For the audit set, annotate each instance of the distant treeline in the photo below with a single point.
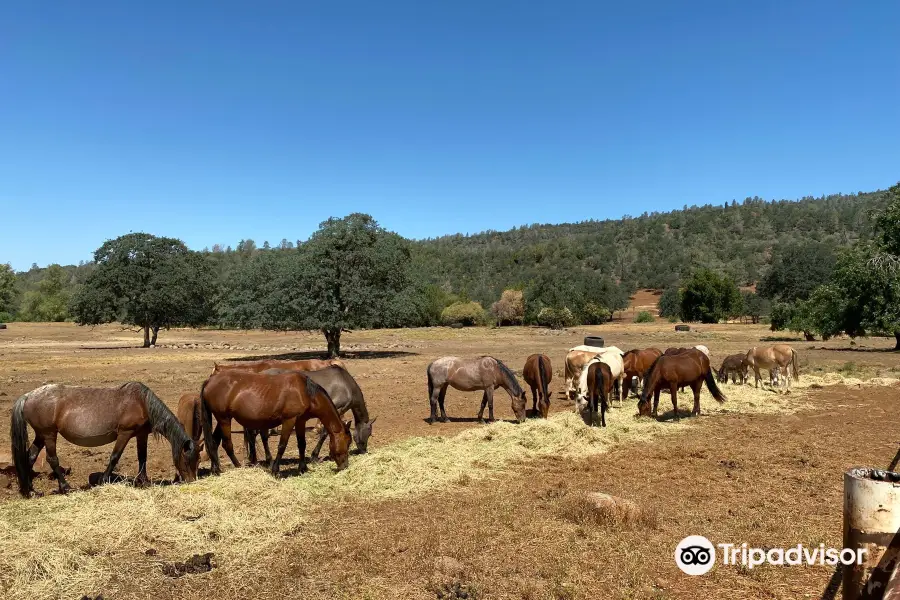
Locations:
(588, 269)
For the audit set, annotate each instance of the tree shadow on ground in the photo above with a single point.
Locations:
(350, 354)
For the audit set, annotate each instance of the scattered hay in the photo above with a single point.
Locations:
(65, 546)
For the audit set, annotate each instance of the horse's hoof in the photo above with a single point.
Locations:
(445, 419)
(65, 489)
(142, 482)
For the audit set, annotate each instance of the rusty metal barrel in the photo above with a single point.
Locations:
(872, 523)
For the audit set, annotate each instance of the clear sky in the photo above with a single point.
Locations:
(218, 120)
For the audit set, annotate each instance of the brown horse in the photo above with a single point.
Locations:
(636, 364)
(538, 373)
(91, 417)
(689, 368)
(470, 374)
(258, 366)
(259, 402)
(600, 386)
(734, 365)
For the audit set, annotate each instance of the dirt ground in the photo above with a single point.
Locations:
(766, 480)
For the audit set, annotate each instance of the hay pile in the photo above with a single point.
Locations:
(66, 546)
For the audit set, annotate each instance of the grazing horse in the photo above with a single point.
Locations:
(261, 401)
(779, 355)
(258, 366)
(675, 351)
(470, 374)
(636, 364)
(600, 384)
(346, 395)
(576, 361)
(686, 368)
(613, 358)
(735, 366)
(92, 417)
(538, 373)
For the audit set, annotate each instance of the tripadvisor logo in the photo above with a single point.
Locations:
(696, 555)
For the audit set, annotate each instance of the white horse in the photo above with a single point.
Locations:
(611, 356)
(576, 361)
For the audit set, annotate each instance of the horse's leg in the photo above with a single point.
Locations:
(441, 396)
(225, 424)
(656, 402)
(696, 389)
(121, 442)
(673, 388)
(35, 449)
(489, 392)
(322, 435)
(50, 441)
(264, 437)
(250, 442)
(287, 427)
(300, 434)
(484, 402)
(142, 479)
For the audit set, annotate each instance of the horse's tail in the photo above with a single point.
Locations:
(18, 434)
(794, 367)
(601, 378)
(206, 422)
(430, 382)
(714, 387)
(541, 379)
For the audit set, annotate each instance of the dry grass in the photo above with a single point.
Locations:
(66, 546)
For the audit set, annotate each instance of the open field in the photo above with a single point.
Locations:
(499, 508)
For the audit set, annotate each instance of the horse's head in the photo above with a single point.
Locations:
(361, 436)
(186, 458)
(339, 447)
(644, 406)
(519, 402)
(544, 407)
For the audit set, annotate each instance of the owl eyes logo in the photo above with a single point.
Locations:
(695, 555)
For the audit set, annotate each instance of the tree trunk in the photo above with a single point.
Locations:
(809, 336)
(155, 333)
(333, 337)
(146, 336)
(897, 337)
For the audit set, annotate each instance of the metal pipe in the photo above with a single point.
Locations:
(872, 522)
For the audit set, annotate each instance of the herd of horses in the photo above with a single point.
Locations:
(264, 395)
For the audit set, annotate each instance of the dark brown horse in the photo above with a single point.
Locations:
(672, 371)
(470, 374)
(600, 386)
(346, 395)
(259, 402)
(637, 362)
(538, 373)
(258, 366)
(93, 417)
(736, 366)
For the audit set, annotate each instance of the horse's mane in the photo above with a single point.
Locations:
(645, 395)
(162, 421)
(510, 377)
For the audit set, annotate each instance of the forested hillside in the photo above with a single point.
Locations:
(589, 268)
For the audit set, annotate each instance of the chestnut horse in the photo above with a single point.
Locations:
(690, 368)
(470, 374)
(637, 362)
(92, 417)
(600, 385)
(538, 373)
(258, 366)
(260, 401)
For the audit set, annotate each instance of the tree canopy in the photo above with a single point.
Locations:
(709, 297)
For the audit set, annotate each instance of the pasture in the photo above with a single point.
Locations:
(458, 509)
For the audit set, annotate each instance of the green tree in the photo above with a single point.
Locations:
(797, 269)
(708, 297)
(463, 313)
(50, 301)
(670, 302)
(345, 276)
(754, 306)
(147, 281)
(9, 292)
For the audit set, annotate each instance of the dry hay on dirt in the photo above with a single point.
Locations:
(66, 546)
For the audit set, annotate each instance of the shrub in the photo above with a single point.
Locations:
(595, 314)
(643, 317)
(670, 302)
(555, 318)
(463, 313)
(510, 309)
(5, 317)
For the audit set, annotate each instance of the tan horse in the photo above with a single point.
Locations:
(261, 401)
(91, 417)
(471, 374)
(636, 364)
(576, 360)
(538, 373)
(781, 356)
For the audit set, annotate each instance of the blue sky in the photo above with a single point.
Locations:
(214, 121)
